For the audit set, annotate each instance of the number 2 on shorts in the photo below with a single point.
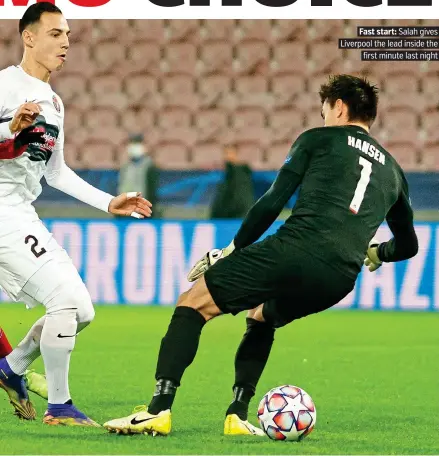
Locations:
(361, 186)
(33, 247)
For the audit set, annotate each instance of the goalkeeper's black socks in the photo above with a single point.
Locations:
(241, 400)
(164, 396)
(177, 351)
(250, 361)
(253, 353)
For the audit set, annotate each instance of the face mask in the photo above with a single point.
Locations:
(136, 150)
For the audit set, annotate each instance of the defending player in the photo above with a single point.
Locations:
(349, 186)
(9, 149)
(33, 267)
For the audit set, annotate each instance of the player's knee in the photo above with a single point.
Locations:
(200, 299)
(59, 330)
(86, 312)
(257, 314)
(73, 296)
(207, 308)
(182, 299)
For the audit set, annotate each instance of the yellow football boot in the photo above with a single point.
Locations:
(235, 426)
(141, 422)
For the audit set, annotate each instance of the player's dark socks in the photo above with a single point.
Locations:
(241, 401)
(253, 353)
(177, 350)
(250, 361)
(164, 395)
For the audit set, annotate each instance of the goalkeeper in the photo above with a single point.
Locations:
(349, 185)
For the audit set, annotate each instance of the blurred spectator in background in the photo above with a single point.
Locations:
(235, 195)
(139, 172)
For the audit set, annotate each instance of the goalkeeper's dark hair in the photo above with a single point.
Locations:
(358, 93)
(33, 14)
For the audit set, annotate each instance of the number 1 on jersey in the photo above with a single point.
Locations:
(361, 186)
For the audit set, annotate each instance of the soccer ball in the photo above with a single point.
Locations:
(287, 413)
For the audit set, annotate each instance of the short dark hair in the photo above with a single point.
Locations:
(33, 14)
(358, 93)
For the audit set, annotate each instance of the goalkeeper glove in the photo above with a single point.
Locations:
(208, 260)
(372, 260)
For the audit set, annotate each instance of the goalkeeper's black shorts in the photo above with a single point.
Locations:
(289, 281)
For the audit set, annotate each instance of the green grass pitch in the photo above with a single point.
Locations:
(373, 377)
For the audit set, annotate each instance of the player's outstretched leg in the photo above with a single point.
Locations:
(57, 343)
(11, 371)
(65, 306)
(69, 309)
(250, 361)
(177, 351)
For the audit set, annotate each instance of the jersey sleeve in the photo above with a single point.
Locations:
(298, 157)
(266, 210)
(404, 243)
(61, 177)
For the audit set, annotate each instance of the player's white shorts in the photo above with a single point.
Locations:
(26, 246)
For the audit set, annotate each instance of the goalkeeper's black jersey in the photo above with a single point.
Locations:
(349, 185)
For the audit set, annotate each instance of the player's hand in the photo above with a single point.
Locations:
(372, 260)
(13, 148)
(130, 204)
(24, 117)
(208, 260)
